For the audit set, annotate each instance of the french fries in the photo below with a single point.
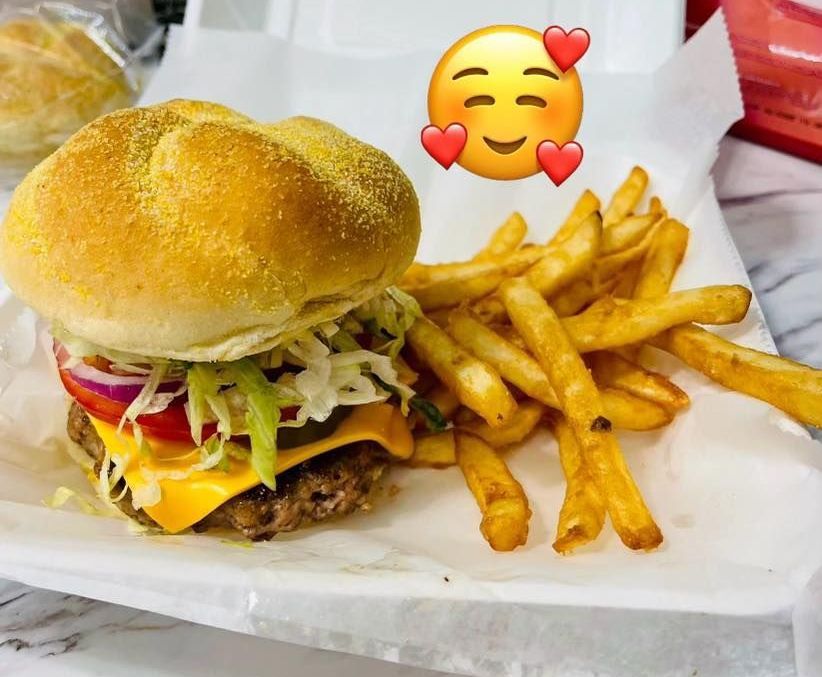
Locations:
(626, 197)
(504, 506)
(488, 327)
(582, 406)
(505, 239)
(582, 515)
(626, 233)
(610, 369)
(587, 204)
(519, 368)
(522, 424)
(474, 383)
(790, 386)
(436, 450)
(609, 325)
(561, 265)
(665, 253)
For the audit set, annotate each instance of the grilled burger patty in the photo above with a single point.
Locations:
(335, 483)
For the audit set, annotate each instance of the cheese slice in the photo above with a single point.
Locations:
(185, 502)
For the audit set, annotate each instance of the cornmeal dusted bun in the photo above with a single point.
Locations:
(53, 79)
(189, 231)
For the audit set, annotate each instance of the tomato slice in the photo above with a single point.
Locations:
(169, 424)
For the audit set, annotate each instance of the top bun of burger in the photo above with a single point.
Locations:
(53, 79)
(186, 230)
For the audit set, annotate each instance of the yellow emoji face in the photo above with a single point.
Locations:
(501, 85)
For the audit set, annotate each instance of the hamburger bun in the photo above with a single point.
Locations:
(53, 79)
(186, 230)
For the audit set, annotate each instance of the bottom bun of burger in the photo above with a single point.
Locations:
(338, 482)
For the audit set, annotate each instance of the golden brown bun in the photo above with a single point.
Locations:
(187, 230)
(53, 79)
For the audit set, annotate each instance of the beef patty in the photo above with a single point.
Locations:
(335, 483)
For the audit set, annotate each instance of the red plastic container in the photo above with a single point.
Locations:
(778, 50)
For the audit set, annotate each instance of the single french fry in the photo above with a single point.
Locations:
(626, 197)
(790, 386)
(474, 383)
(665, 254)
(449, 293)
(626, 411)
(655, 206)
(563, 264)
(582, 406)
(435, 450)
(443, 399)
(626, 233)
(516, 366)
(573, 298)
(505, 239)
(610, 369)
(608, 324)
(522, 423)
(582, 515)
(423, 275)
(504, 506)
(586, 204)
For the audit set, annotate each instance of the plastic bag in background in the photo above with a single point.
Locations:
(778, 49)
(62, 64)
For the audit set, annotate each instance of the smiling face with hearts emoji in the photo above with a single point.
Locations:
(497, 94)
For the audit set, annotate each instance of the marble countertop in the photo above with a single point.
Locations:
(773, 206)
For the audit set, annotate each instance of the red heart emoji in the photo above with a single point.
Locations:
(444, 145)
(566, 48)
(559, 163)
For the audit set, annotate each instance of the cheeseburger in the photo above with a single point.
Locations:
(222, 311)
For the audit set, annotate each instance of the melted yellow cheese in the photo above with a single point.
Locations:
(185, 502)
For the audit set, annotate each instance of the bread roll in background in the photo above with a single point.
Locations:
(53, 79)
(187, 230)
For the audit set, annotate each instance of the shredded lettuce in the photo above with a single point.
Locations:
(143, 402)
(389, 316)
(205, 399)
(263, 402)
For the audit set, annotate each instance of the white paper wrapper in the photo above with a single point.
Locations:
(735, 486)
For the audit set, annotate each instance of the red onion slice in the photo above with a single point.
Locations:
(113, 386)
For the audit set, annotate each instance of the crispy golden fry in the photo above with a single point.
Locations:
(655, 206)
(583, 511)
(790, 386)
(505, 239)
(626, 281)
(573, 298)
(606, 267)
(626, 197)
(662, 260)
(581, 403)
(504, 506)
(522, 423)
(563, 264)
(423, 275)
(608, 324)
(443, 399)
(445, 294)
(516, 366)
(587, 204)
(626, 233)
(626, 411)
(474, 383)
(610, 369)
(437, 450)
